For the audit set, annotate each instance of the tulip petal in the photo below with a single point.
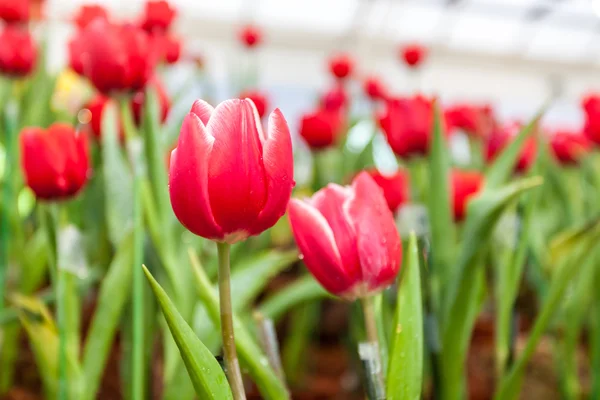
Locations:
(237, 184)
(330, 202)
(188, 178)
(379, 246)
(279, 168)
(317, 245)
(203, 110)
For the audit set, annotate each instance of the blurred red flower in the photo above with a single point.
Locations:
(568, 147)
(321, 128)
(465, 185)
(413, 55)
(374, 89)
(117, 58)
(55, 161)
(250, 36)
(476, 121)
(158, 16)
(396, 187)
(88, 13)
(18, 52)
(229, 179)
(341, 66)
(258, 98)
(591, 108)
(335, 99)
(501, 137)
(14, 11)
(407, 124)
(348, 238)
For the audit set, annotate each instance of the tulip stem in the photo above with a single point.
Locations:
(231, 361)
(368, 305)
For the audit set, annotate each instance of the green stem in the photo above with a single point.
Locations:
(231, 361)
(368, 306)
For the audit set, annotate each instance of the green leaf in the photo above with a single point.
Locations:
(440, 212)
(112, 297)
(118, 182)
(43, 337)
(303, 290)
(580, 242)
(204, 370)
(405, 371)
(251, 356)
(502, 168)
(249, 278)
(465, 291)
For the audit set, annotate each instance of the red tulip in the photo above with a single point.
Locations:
(474, 120)
(117, 58)
(341, 66)
(172, 49)
(568, 147)
(374, 89)
(96, 108)
(321, 128)
(335, 99)
(413, 55)
(465, 185)
(158, 16)
(14, 11)
(228, 179)
(396, 187)
(250, 36)
(55, 161)
(18, 53)
(258, 98)
(348, 238)
(77, 49)
(591, 107)
(500, 138)
(89, 13)
(407, 124)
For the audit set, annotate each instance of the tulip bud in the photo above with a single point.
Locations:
(396, 187)
(158, 16)
(250, 36)
(501, 137)
(18, 53)
(348, 238)
(407, 124)
(321, 128)
(117, 58)
(413, 55)
(335, 99)
(569, 147)
(591, 107)
(89, 13)
(465, 185)
(258, 98)
(14, 11)
(228, 179)
(55, 161)
(374, 89)
(341, 66)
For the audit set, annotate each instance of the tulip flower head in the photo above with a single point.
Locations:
(475, 121)
(341, 66)
(374, 89)
(321, 128)
(250, 36)
(407, 124)
(18, 52)
(591, 108)
(465, 185)
(501, 137)
(117, 58)
(228, 179)
(396, 187)
(569, 147)
(55, 161)
(158, 16)
(335, 99)
(413, 55)
(258, 98)
(14, 11)
(348, 238)
(89, 13)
